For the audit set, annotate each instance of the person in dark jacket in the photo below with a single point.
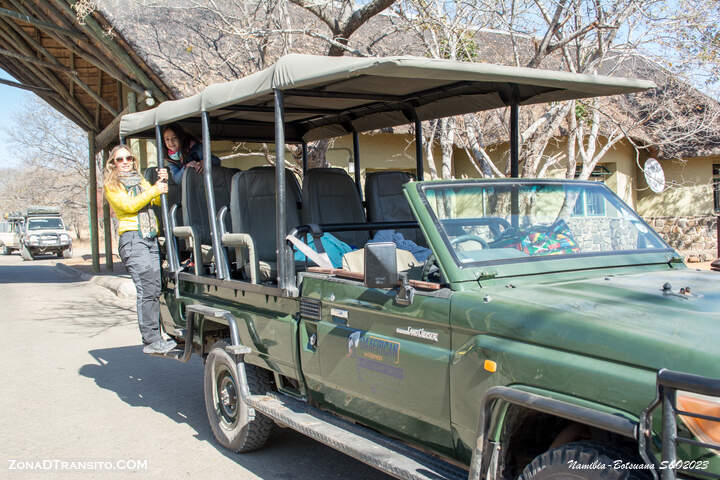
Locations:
(182, 150)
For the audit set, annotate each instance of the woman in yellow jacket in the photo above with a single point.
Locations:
(131, 197)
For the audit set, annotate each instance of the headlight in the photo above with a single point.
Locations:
(64, 238)
(33, 239)
(707, 431)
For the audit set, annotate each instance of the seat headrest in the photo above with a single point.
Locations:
(330, 196)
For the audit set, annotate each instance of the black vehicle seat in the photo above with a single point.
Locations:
(252, 208)
(173, 195)
(329, 196)
(195, 211)
(387, 203)
(173, 198)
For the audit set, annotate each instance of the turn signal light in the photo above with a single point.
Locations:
(490, 366)
(707, 431)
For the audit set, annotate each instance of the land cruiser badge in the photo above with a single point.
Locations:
(418, 333)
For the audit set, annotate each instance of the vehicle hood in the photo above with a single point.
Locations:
(625, 318)
(51, 231)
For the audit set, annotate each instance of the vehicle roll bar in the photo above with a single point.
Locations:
(668, 384)
(170, 245)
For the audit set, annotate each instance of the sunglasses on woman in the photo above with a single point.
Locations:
(124, 159)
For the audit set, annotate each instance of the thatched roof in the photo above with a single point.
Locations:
(78, 68)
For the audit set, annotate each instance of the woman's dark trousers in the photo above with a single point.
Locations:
(142, 261)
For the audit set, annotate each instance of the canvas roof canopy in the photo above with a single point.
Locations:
(332, 96)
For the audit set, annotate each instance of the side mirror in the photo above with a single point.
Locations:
(380, 265)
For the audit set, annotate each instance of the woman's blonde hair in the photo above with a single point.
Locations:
(111, 173)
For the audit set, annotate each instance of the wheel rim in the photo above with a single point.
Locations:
(226, 397)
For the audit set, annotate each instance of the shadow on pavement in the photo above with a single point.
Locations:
(86, 316)
(175, 390)
(34, 273)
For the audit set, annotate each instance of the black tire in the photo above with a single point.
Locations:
(229, 418)
(25, 254)
(598, 460)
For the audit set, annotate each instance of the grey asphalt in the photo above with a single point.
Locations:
(77, 395)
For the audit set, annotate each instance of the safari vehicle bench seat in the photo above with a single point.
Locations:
(173, 194)
(387, 203)
(329, 196)
(252, 208)
(196, 225)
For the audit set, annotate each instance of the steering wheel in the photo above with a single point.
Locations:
(469, 238)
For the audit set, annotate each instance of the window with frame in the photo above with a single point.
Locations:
(590, 203)
(716, 186)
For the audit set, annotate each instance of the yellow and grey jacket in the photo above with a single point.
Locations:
(126, 206)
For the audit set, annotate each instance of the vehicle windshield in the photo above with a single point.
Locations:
(45, 224)
(517, 221)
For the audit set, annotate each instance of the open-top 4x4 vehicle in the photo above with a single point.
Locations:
(44, 233)
(550, 332)
(10, 231)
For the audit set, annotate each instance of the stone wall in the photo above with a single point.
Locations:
(695, 237)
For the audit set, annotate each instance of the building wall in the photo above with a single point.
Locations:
(688, 191)
(619, 160)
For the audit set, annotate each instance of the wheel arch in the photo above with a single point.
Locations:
(509, 410)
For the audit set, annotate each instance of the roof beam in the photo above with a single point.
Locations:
(55, 63)
(93, 29)
(32, 88)
(37, 23)
(84, 49)
(46, 77)
(111, 132)
(58, 101)
(24, 58)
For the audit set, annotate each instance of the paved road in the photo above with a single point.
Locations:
(76, 388)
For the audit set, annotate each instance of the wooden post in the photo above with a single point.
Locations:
(107, 225)
(92, 190)
(143, 158)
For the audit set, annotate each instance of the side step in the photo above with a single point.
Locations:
(370, 447)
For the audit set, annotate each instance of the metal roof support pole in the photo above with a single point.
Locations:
(356, 162)
(218, 252)
(514, 140)
(514, 157)
(284, 254)
(419, 150)
(107, 226)
(170, 244)
(304, 157)
(92, 193)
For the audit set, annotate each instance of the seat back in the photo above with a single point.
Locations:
(195, 211)
(387, 203)
(173, 195)
(252, 207)
(329, 196)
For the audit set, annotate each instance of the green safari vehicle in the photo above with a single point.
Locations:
(539, 329)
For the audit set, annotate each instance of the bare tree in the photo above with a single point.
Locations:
(582, 36)
(55, 169)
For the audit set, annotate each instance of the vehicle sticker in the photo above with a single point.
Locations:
(374, 348)
(418, 333)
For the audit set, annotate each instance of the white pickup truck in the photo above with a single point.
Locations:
(10, 230)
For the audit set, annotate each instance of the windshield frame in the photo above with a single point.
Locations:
(621, 255)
